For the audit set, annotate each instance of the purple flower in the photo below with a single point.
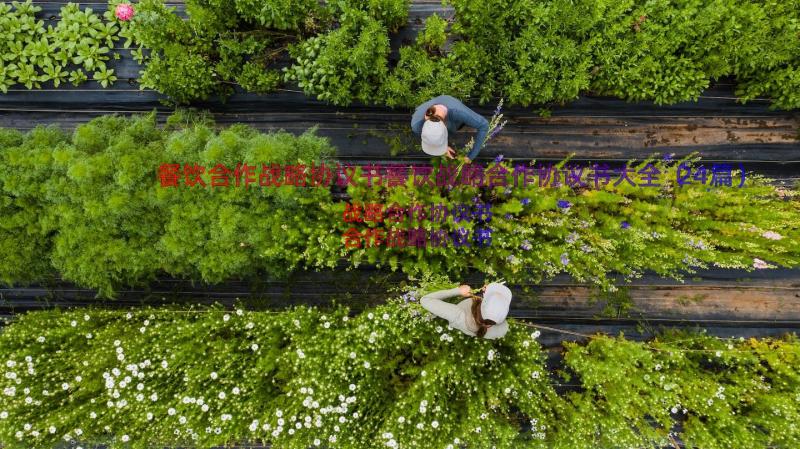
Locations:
(508, 216)
(476, 199)
(526, 245)
(564, 204)
(409, 297)
(495, 132)
(564, 259)
(668, 157)
(498, 108)
(572, 238)
(525, 201)
(499, 158)
(625, 225)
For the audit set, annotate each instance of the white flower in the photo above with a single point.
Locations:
(296, 323)
(352, 355)
(490, 355)
(86, 317)
(710, 401)
(535, 374)
(718, 353)
(65, 386)
(73, 323)
(204, 407)
(239, 312)
(40, 339)
(149, 416)
(342, 419)
(221, 395)
(420, 425)
(254, 347)
(332, 438)
(182, 420)
(658, 366)
(385, 316)
(27, 427)
(249, 325)
(125, 438)
(674, 410)
(3, 414)
(435, 424)
(226, 317)
(171, 411)
(326, 325)
(366, 365)
(154, 397)
(164, 364)
(401, 419)
(535, 334)
(301, 354)
(279, 413)
(214, 375)
(317, 442)
(370, 315)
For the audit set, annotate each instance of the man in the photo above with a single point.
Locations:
(435, 119)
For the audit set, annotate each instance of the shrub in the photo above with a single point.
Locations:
(345, 65)
(388, 376)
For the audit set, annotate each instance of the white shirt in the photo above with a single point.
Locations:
(459, 315)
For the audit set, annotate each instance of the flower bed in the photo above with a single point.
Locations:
(389, 377)
(547, 51)
(90, 206)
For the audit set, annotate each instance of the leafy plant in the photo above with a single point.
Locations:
(31, 54)
(344, 65)
(434, 36)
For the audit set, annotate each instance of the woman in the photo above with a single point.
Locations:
(475, 316)
(442, 116)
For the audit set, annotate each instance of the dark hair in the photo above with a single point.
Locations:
(430, 114)
(483, 325)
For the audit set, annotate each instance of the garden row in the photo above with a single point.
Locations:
(93, 206)
(547, 51)
(389, 376)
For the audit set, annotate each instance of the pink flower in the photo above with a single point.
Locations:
(760, 264)
(124, 12)
(771, 235)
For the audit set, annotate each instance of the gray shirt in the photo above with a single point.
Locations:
(459, 315)
(458, 115)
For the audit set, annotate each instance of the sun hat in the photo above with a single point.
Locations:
(434, 138)
(496, 300)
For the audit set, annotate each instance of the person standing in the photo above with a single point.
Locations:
(442, 116)
(475, 316)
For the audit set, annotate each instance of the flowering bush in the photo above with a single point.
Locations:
(91, 206)
(389, 377)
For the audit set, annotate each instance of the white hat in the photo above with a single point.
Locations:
(434, 138)
(494, 305)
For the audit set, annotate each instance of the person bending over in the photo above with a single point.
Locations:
(475, 316)
(439, 117)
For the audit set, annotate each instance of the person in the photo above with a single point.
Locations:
(475, 316)
(439, 117)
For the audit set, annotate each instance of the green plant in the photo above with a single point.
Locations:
(389, 376)
(31, 54)
(434, 36)
(345, 65)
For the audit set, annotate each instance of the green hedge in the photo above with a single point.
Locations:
(528, 52)
(90, 206)
(389, 377)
